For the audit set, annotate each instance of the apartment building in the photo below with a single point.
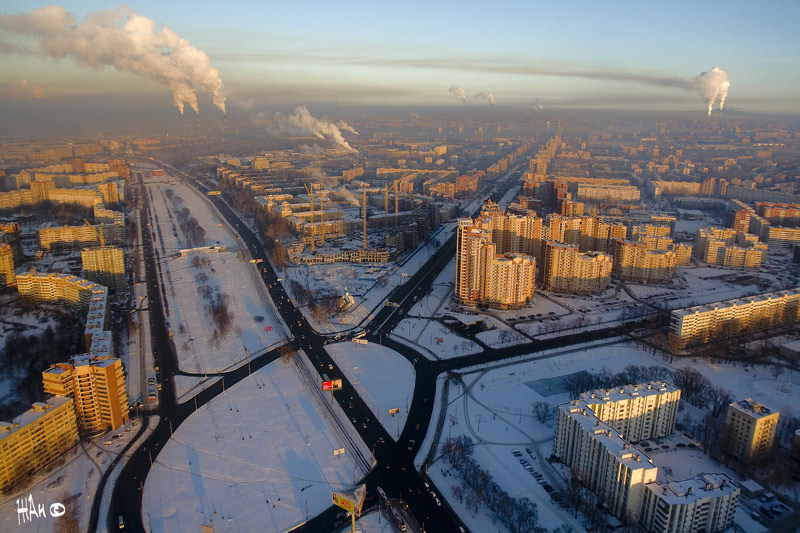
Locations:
(637, 412)
(727, 247)
(608, 193)
(105, 265)
(635, 261)
(7, 276)
(569, 271)
(707, 503)
(72, 236)
(587, 232)
(97, 385)
(486, 277)
(34, 438)
(703, 323)
(604, 462)
(749, 430)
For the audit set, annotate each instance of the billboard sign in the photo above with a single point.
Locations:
(334, 384)
(350, 501)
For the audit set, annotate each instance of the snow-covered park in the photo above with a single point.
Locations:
(218, 310)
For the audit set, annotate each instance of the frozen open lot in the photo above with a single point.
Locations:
(259, 457)
(383, 378)
(195, 284)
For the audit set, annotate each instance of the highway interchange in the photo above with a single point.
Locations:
(394, 469)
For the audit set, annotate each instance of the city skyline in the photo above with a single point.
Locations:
(284, 55)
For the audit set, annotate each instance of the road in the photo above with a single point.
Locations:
(394, 471)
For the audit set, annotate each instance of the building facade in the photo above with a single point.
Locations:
(604, 462)
(97, 385)
(703, 323)
(35, 438)
(105, 265)
(637, 412)
(749, 430)
(7, 276)
(705, 503)
(634, 261)
(569, 271)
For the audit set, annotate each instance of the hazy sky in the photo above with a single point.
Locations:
(268, 54)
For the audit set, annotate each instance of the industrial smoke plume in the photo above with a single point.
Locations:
(460, 93)
(303, 123)
(488, 96)
(21, 89)
(124, 40)
(713, 85)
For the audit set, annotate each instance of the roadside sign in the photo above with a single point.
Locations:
(338, 451)
(394, 410)
(332, 385)
(267, 328)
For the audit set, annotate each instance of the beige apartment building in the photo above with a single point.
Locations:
(703, 323)
(637, 412)
(35, 438)
(749, 430)
(97, 384)
(706, 503)
(727, 247)
(634, 261)
(485, 277)
(7, 276)
(604, 462)
(105, 265)
(71, 236)
(569, 271)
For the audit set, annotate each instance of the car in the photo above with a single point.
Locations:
(665, 447)
(107, 443)
(411, 445)
(755, 516)
(438, 503)
(648, 449)
(530, 452)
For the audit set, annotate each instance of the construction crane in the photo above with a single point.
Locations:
(386, 190)
(311, 199)
(99, 234)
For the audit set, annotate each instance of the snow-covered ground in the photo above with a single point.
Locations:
(259, 457)
(383, 378)
(493, 407)
(71, 480)
(191, 281)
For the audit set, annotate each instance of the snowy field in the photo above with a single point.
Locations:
(493, 407)
(71, 480)
(194, 281)
(427, 334)
(259, 457)
(383, 378)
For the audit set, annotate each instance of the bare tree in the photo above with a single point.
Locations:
(719, 399)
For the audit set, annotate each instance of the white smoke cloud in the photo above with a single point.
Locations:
(488, 96)
(124, 40)
(344, 126)
(16, 88)
(460, 93)
(303, 123)
(713, 85)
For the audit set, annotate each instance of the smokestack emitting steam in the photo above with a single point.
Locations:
(460, 93)
(303, 123)
(488, 96)
(713, 85)
(124, 40)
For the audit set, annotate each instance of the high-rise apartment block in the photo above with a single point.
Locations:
(727, 247)
(105, 265)
(484, 277)
(749, 430)
(634, 261)
(703, 323)
(588, 233)
(71, 236)
(569, 271)
(637, 412)
(35, 438)
(604, 462)
(97, 384)
(705, 503)
(7, 276)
